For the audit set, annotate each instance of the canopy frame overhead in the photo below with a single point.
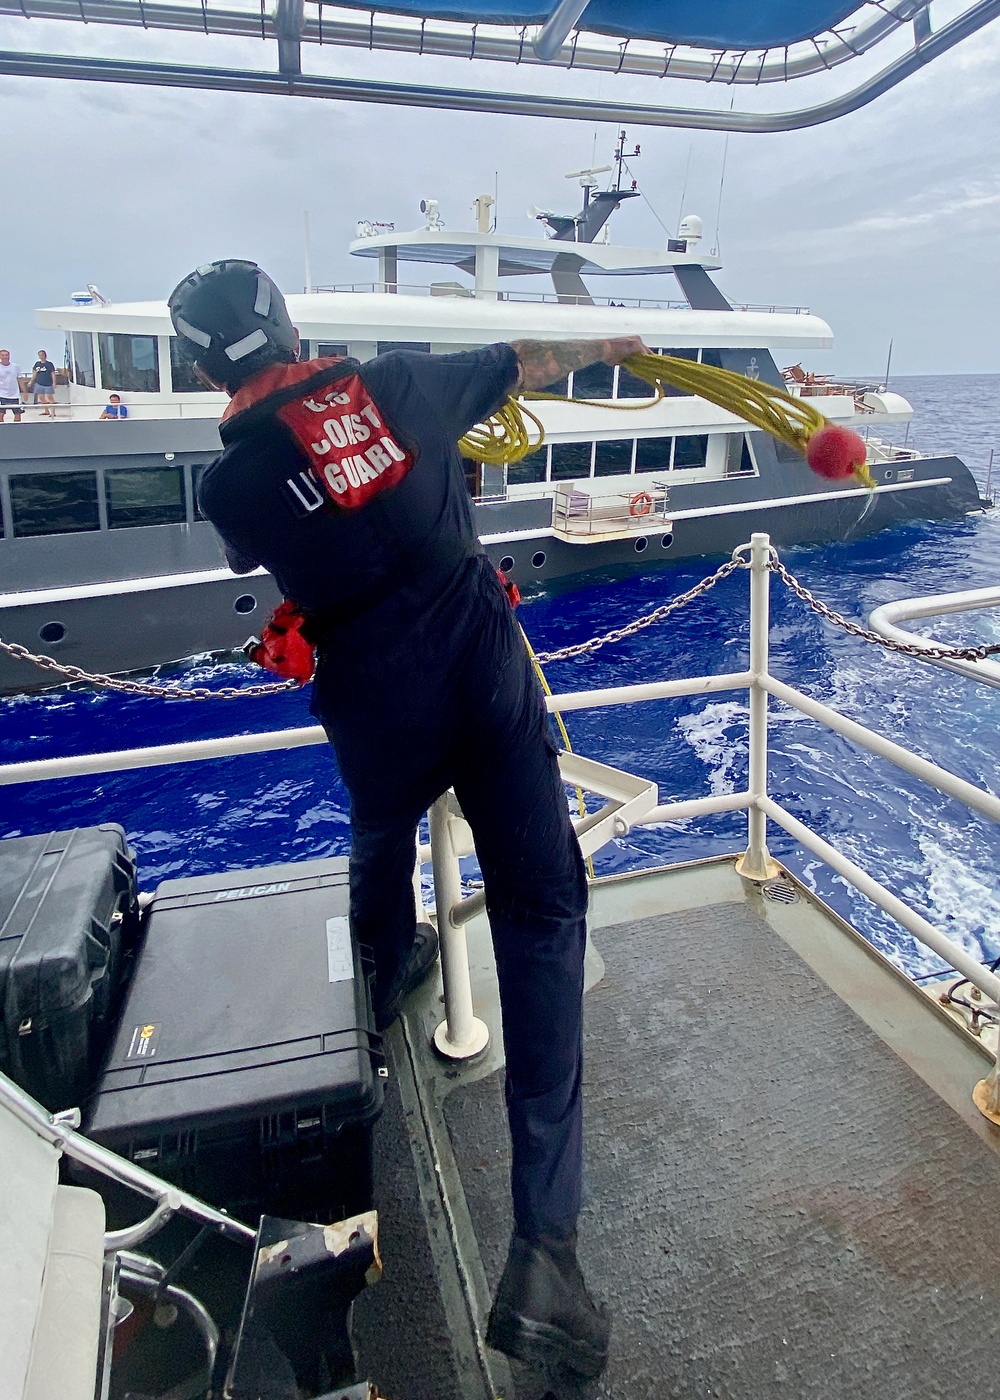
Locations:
(555, 44)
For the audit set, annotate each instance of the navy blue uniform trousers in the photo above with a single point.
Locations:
(421, 695)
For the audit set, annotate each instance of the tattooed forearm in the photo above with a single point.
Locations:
(547, 361)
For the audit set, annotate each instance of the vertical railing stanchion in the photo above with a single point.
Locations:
(756, 864)
(460, 1036)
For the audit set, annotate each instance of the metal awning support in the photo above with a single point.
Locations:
(292, 27)
(289, 21)
(556, 29)
(393, 33)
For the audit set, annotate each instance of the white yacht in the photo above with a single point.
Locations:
(106, 563)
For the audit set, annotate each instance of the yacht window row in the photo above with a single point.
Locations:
(117, 498)
(131, 364)
(566, 461)
(59, 503)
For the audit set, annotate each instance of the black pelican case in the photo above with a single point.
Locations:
(246, 1068)
(68, 923)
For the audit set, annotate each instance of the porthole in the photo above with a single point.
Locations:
(537, 560)
(666, 541)
(52, 632)
(245, 603)
(506, 564)
(888, 475)
(640, 545)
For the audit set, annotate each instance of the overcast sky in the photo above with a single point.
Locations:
(886, 223)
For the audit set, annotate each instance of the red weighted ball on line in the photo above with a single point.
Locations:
(836, 452)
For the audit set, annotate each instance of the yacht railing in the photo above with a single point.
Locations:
(550, 298)
(630, 802)
(576, 512)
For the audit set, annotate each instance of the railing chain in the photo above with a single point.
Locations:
(866, 635)
(631, 628)
(594, 644)
(127, 687)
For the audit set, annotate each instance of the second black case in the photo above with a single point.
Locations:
(245, 1068)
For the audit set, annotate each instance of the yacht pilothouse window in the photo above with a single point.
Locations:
(82, 346)
(182, 375)
(595, 382)
(129, 362)
(653, 454)
(54, 503)
(144, 496)
(689, 452)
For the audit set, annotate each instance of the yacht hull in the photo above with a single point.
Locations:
(138, 624)
(941, 488)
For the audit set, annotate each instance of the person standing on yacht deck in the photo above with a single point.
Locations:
(422, 683)
(10, 389)
(43, 384)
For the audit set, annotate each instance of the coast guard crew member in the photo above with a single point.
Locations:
(345, 483)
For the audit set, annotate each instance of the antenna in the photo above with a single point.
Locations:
(620, 158)
(305, 250)
(714, 250)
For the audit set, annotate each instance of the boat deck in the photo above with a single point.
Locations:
(790, 1192)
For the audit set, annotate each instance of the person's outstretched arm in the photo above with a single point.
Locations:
(547, 361)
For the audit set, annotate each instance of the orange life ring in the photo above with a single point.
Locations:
(641, 503)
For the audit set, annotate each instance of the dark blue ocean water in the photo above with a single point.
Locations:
(241, 812)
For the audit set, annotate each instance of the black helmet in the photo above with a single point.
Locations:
(231, 320)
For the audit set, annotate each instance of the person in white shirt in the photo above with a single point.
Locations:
(10, 390)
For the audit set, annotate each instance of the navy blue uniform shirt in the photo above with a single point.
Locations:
(412, 537)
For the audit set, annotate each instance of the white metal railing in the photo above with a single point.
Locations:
(885, 620)
(630, 802)
(61, 1131)
(577, 512)
(456, 289)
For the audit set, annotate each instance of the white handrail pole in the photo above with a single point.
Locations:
(756, 864)
(460, 1036)
(931, 773)
(946, 948)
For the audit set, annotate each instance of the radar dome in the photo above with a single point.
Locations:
(690, 228)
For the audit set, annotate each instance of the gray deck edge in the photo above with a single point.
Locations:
(458, 1269)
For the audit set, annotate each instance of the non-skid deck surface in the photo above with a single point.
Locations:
(778, 1206)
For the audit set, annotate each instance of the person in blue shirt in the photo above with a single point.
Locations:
(344, 481)
(114, 408)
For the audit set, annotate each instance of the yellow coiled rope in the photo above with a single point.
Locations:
(505, 438)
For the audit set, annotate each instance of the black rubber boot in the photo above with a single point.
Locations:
(543, 1313)
(408, 978)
